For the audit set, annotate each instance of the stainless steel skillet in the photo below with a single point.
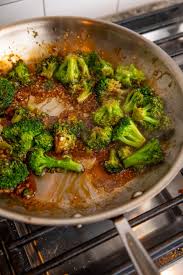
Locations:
(31, 39)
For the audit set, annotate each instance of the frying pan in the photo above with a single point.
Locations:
(36, 38)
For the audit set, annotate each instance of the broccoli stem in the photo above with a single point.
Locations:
(66, 164)
(39, 162)
(83, 96)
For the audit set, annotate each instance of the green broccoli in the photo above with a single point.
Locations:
(12, 173)
(44, 141)
(5, 145)
(20, 73)
(21, 134)
(107, 87)
(85, 89)
(97, 65)
(48, 66)
(133, 99)
(127, 132)
(7, 92)
(146, 91)
(113, 165)
(72, 70)
(83, 68)
(129, 76)
(98, 138)
(150, 153)
(124, 152)
(65, 137)
(150, 115)
(20, 113)
(68, 71)
(39, 162)
(108, 114)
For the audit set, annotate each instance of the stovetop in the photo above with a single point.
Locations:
(96, 248)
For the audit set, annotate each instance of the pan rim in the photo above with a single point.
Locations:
(154, 190)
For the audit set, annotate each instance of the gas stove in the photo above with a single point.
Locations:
(96, 248)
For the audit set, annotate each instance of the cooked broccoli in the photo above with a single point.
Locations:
(76, 126)
(12, 173)
(107, 87)
(113, 165)
(109, 113)
(39, 162)
(72, 70)
(150, 115)
(85, 90)
(98, 138)
(7, 92)
(44, 141)
(83, 68)
(5, 145)
(20, 73)
(48, 66)
(147, 94)
(68, 71)
(97, 65)
(21, 134)
(133, 99)
(129, 76)
(150, 153)
(65, 138)
(124, 152)
(127, 132)
(20, 113)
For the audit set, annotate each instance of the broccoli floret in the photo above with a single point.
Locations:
(85, 90)
(12, 173)
(20, 113)
(39, 162)
(7, 92)
(166, 122)
(4, 145)
(150, 153)
(20, 73)
(107, 87)
(72, 70)
(98, 138)
(146, 91)
(76, 126)
(21, 134)
(129, 76)
(109, 113)
(127, 132)
(68, 71)
(83, 68)
(133, 99)
(65, 138)
(97, 65)
(47, 67)
(149, 116)
(124, 152)
(44, 141)
(113, 165)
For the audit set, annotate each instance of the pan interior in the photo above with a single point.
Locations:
(32, 40)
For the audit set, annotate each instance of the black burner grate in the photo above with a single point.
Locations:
(12, 247)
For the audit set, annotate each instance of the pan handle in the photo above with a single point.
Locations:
(139, 256)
